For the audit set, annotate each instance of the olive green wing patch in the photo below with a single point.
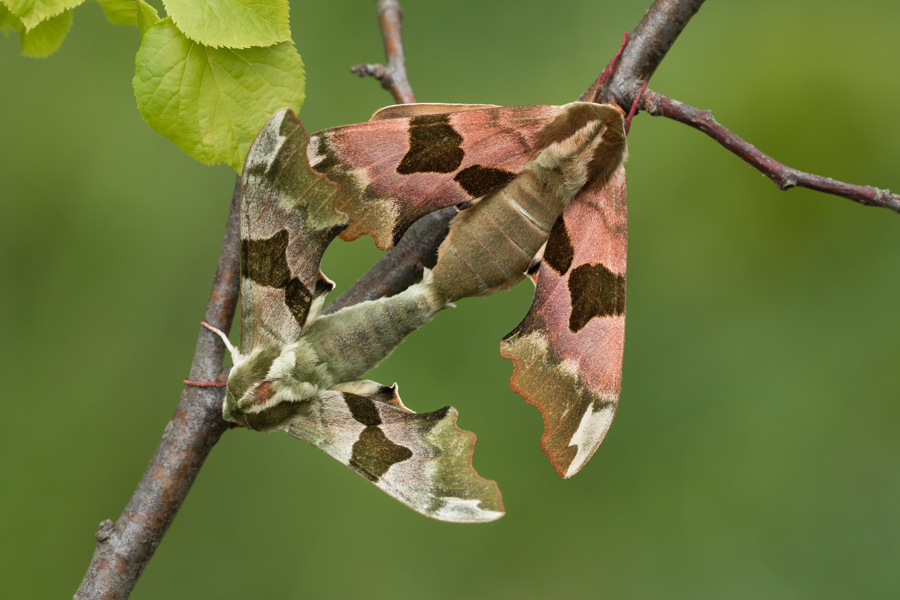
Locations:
(423, 460)
(287, 221)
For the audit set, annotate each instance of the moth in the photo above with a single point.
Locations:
(541, 191)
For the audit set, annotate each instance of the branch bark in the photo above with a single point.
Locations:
(125, 547)
(647, 46)
(784, 177)
(392, 77)
(402, 266)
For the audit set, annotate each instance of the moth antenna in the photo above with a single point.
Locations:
(234, 353)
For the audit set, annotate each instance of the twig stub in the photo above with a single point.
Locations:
(392, 77)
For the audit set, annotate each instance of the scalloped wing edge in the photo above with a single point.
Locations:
(423, 460)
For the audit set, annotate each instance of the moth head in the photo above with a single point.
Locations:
(267, 387)
(585, 143)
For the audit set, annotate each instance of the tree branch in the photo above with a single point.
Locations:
(648, 44)
(393, 77)
(784, 177)
(402, 266)
(125, 548)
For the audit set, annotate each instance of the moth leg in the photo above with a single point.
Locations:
(235, 355)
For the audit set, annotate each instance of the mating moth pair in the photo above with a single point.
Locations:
(541, 192)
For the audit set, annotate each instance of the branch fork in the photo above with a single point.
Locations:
(392, 77)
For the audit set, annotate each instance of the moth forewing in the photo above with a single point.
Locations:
(400, 111)
(287, 221)
(567, 352)
(414, 159)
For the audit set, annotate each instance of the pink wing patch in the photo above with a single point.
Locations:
(392, 171)
(568, 350)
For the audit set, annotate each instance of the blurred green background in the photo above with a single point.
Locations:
(755, 450)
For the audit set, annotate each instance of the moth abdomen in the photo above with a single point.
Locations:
(355, 339)
(491, 244)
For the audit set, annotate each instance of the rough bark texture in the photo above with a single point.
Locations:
(647, 46)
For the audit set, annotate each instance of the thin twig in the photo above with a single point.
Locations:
(125, 548)
(392, 77)
(634, 108)
(784, 177)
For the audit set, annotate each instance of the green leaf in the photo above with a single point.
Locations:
(48, 36)
(32, 12)
(130, 12)
(232, 23)
(119, 12)
(43, 40)
(147, 16)
(209, 101)
(8, 21)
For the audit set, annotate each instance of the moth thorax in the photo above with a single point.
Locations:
(268, 377)
(563, 167)
(583, 145)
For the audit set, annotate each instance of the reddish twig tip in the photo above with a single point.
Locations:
(615, 59)
(634, 107)
(216, 384)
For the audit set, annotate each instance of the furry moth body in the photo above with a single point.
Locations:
(518, 170)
